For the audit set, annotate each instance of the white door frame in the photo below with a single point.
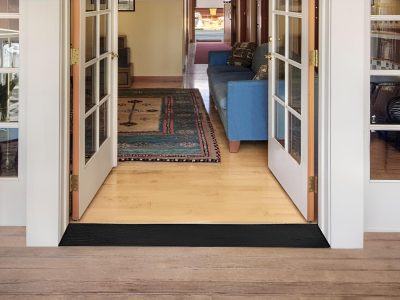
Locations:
(341, 111)
(341, 185)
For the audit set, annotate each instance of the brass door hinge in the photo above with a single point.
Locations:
(314, 58)
(312, 184)
(74, 56)
(74, 183)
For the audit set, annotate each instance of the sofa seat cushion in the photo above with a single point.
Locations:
(219, 85)
(230, 76)
(216, 69)
(220, 94)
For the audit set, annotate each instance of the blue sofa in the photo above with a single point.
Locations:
(242, 103)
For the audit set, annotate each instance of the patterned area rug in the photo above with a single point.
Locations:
(165, 125)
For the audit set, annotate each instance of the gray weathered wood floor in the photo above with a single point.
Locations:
(198, 273)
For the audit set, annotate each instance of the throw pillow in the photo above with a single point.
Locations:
(242, 54)
(235, 45)
(262, 73)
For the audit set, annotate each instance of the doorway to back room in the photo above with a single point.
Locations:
(236, 189)
(209, 21)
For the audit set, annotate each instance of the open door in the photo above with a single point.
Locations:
(291, 101)
(93, 66)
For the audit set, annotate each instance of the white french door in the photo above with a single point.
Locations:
(94, 97)
(383, 180)
(291, 93)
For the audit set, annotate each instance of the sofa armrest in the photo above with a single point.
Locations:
(218, 57)
(247, 110)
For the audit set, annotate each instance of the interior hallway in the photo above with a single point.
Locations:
(239, 190)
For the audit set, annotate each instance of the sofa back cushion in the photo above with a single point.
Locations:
(259, 58)
(242, 54)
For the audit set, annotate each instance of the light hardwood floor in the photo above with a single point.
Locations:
(239, 190)
(162, 273)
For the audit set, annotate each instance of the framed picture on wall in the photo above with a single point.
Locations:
(126, 5)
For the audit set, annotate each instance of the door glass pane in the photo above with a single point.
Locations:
(9, 6)
(295, 137)
(90, 136)
(295, 5)
(281, 5)
(90, 5)
(103, 78)
(385, 7)
(295, 39)
(103, 34)
(280, 79)
(90, 87)
(280, 35)
(8, 152)
(385, 100)
(385, 45)
(103, 123)
(294, 96)
(9, 43)
(103, 4)
(91, 46)
(280, 123)
(385, 155)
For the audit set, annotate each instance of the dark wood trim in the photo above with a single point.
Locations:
(264, 21)
(192, 8)
(243, 21)
(234, 22)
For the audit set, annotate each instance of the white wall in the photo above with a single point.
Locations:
(154, 34)
(209, 4)
(382, 208)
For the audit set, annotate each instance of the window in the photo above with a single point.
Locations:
(385, 90)
(9, 87)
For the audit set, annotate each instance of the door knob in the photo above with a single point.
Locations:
(269, 56)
